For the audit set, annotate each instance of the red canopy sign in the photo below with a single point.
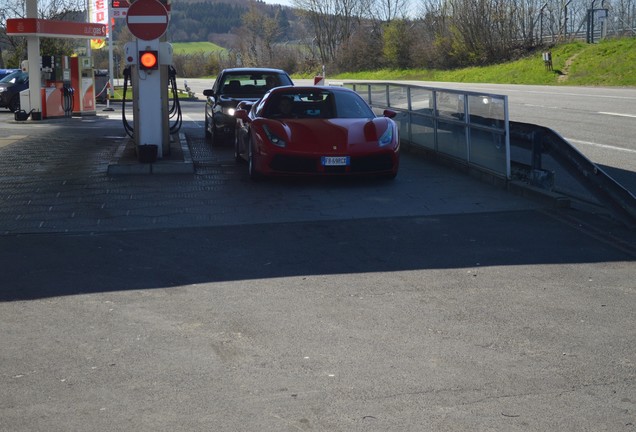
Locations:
(50, 28)
(147, 19)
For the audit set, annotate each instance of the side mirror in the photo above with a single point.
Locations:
(244, 105)
(389, 113)
(208, 92)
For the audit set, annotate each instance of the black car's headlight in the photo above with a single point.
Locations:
(228, 110)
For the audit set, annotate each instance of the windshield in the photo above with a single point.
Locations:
(315, 103)
(15, 77)
(254, 84)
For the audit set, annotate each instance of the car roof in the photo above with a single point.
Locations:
(300, 89)
(247, 70)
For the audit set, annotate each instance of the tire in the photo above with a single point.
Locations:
(14, 103)
(251, 169)
(208, 135)
(215, 139)
(390, 176)
(237, 153)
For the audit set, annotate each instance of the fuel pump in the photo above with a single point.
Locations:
(83, 84)
(56, 87)
(150, 73)
(175, 108)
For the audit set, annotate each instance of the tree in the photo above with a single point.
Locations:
(68, 10)
(397, 44)
(388, 10)
(332, 23)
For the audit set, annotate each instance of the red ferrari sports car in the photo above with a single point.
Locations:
(315, 131)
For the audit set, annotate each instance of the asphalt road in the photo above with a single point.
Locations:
(207, 302)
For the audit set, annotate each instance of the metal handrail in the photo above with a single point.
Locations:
(470, 127)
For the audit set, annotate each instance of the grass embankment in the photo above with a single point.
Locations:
(188, 48)
(608, 63)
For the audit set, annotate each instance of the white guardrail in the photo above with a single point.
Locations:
(470, 127)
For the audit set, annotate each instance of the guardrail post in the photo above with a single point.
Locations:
(539, 177)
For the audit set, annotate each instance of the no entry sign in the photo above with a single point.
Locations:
(147, 19)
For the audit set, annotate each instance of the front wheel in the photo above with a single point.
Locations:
(251, 168)
(14, 103)
(208, 135)
(237, 151)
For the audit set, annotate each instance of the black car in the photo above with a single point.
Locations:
(231, 87)
(10, 88)
(5, 72)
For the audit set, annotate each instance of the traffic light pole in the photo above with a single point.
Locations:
(150, 94)
(149, 59)
(148, 102)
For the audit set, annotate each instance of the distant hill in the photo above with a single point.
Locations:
(218, 21)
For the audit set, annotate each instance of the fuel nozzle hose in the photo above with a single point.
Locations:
(127, 127)
(175, 108)
(68, 102)
(174, 111)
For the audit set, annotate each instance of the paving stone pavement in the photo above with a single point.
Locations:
(53, 178)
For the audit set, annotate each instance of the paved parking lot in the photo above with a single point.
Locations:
(55, 174)
(205, 301)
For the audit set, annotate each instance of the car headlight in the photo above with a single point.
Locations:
(229, 111)
(273, 138)
(2, 89)
(387, 136)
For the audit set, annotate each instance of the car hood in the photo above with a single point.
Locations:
(330, 135)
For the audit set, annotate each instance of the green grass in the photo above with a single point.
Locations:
(608, 63)
(185, 48)
(611, 62)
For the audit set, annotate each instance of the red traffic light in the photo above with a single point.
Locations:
(148, 60)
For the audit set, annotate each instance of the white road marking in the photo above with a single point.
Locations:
(618, 114)
(603, 146)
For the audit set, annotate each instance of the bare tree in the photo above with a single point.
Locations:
(70, 10)
(259, 32)
(389, 10)
(332, 22)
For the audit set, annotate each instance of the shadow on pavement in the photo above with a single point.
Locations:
(39, 266)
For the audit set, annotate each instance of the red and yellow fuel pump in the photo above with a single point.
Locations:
(56, 80)
(83, 84)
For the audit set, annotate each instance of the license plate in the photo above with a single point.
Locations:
(335, 160)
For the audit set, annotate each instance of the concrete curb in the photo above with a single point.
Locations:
(178, 162)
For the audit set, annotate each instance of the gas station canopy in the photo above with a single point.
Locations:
(49, 28)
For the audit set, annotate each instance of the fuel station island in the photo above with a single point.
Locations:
(63, 86)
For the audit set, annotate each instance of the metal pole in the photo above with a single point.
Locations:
(110, 58)
(592, 22)
(33, 56)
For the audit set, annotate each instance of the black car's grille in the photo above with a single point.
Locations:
(363, 164)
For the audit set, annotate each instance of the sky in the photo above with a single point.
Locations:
(289, 3)
(280, 2)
